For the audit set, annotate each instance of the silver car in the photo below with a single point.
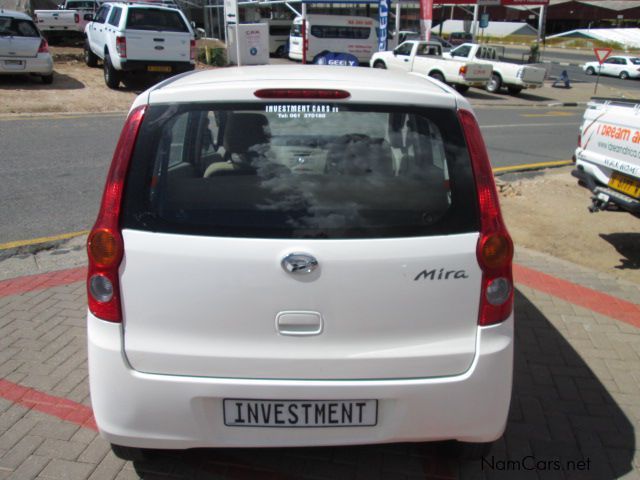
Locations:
(22, 47)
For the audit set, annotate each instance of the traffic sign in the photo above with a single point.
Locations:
(602, 54)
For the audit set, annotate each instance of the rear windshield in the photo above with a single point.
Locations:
(155, 19)
(12, 27)
(298, 170)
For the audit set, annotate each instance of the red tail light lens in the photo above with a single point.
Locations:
(105, 247)
(44, 46)
(324, 94)
(76, 18)
(121, 47)
(193, 50)
(495, 247)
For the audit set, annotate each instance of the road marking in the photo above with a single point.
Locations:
(533, 166)
(58, 407)
(41, 281)
(557, 113)
(523, 125)
(575, 294)
(35, 241)
(66, 236)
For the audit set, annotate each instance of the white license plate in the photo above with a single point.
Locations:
(13, 62)
(300, 413)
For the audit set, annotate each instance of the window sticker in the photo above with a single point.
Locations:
(301, 110)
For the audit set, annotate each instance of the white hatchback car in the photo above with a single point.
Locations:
(618, 66)
(299, 256)
(22, 47)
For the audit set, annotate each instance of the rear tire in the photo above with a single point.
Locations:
(379, 64)
(514, 90)
(495, 83)
(90, 58)
(590, 71)
(624, 75)
(111, 75)
(437, 76)
(47, 79)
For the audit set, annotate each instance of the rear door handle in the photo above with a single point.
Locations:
(158, 39)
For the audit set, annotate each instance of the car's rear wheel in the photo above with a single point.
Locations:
(111, 75)
(437, 76)
(47, 79)
(590, 71)
(90, 58)
(379, 64)
(624, 75)
(494, 84)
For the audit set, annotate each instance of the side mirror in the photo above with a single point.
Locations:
(88, 17)
(200, 33)
(193, 24)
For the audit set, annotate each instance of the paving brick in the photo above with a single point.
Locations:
(30, 468)
(61, 449)
(20, 451)
(108, 468)
(58, 469)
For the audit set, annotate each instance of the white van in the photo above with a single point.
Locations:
(608, 153)
(278, 36)
(335, 33)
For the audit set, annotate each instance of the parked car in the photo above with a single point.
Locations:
(619, 66)
(66, 22)
(458, 38)
(293, 255)
(22, 47)
(607, 156)
(426, 58)
(139, 39)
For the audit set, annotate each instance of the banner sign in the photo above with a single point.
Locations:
(383, 9)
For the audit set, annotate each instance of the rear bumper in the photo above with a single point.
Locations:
(40, 65)
(604, 195)
(178, 412)
(143, 66)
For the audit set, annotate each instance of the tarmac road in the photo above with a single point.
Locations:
(53, 168)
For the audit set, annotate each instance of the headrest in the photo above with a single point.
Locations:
(245, 130)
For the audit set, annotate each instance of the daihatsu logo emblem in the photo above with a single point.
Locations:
(298, 263)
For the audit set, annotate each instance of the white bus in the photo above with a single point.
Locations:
(335, 33)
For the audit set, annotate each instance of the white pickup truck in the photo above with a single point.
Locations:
(505, 74)
(426, 58)
(69, 20)
(140, 39)
(608, 154)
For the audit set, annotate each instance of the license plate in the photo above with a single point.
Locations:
(162, 69)
(13, 62)
(300, 413)
(624, 184)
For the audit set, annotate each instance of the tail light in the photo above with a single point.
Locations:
(76, 18)
(463, 70)
(105, 247)
(495, 248)
(121, 47)
(316, 93)
(193, 49)
(44, 46)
